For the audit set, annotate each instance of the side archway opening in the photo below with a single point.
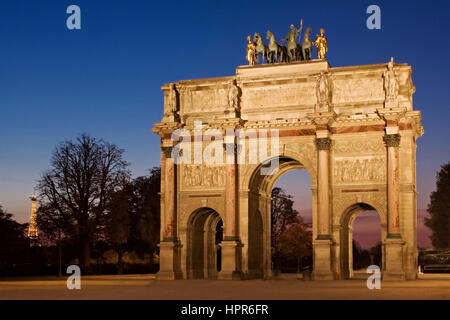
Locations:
(361, 240)
(204, 235)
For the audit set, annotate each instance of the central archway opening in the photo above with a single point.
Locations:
(205, 234)
(280, 206)
(291, 223)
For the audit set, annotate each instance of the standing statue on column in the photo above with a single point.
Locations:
(390, 82)
(233, 96)
(323, 92)
(173, 102)
(321, 44)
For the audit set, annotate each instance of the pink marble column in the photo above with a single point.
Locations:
(169, 195)
(323, 199)
(393, 190)
(230, 192)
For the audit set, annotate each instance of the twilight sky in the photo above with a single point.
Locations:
(105, 79)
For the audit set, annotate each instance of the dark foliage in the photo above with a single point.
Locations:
(439, 210)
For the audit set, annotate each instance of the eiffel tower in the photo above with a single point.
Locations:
(32, 230)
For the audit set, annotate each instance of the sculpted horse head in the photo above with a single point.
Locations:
(257, 38)
(260, 46)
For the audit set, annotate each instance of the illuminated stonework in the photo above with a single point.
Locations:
(345, 133)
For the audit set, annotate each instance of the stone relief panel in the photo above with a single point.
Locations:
(309, 156)
(279, 95)
(211, 99)
(355, 90)
(361, 169)
(359, 146)
(203, 176)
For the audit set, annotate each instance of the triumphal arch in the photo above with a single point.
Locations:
(225, 141)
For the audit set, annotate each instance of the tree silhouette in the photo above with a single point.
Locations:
(54, 227)
(439, 210)
(133, 218)
(83, 175)
(286, 225)
(118, 223)
(296, 242)
(13, 242)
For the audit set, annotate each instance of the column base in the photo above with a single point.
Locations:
(394, 266)
(322, 259)
(231, 258)
(169, 261)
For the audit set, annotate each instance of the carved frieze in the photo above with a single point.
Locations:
(359, 146)
(359, 169)
(357, 90)
(203, 176)
(212, 99)
(279, 95)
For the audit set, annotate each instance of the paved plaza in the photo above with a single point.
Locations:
(145, 287)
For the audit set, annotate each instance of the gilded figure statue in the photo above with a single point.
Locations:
(321, 44)
(250, 56)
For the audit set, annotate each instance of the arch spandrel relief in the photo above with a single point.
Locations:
(359, 170)
(202, 176)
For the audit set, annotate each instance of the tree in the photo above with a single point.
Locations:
(282, 214)
(147, 211)
(133, 216)
(54, 226)
(361, 257)
(118, 223)
(296, 242)
(439, 210)
(13, 242)
(83, 175)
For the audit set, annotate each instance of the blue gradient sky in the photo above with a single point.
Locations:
(105, 79)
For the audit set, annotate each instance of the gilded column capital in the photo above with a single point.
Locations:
(167, 151)
(392, 140)
(323, 143)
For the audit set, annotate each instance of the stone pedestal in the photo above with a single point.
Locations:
(391, 104)
(322, 259)
(169, 263)
(394, 259)
(231, 258)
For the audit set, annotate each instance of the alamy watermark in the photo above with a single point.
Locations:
(374, 20)
(74, 20)
(74, 280)
(263, 147)
(374, 280)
